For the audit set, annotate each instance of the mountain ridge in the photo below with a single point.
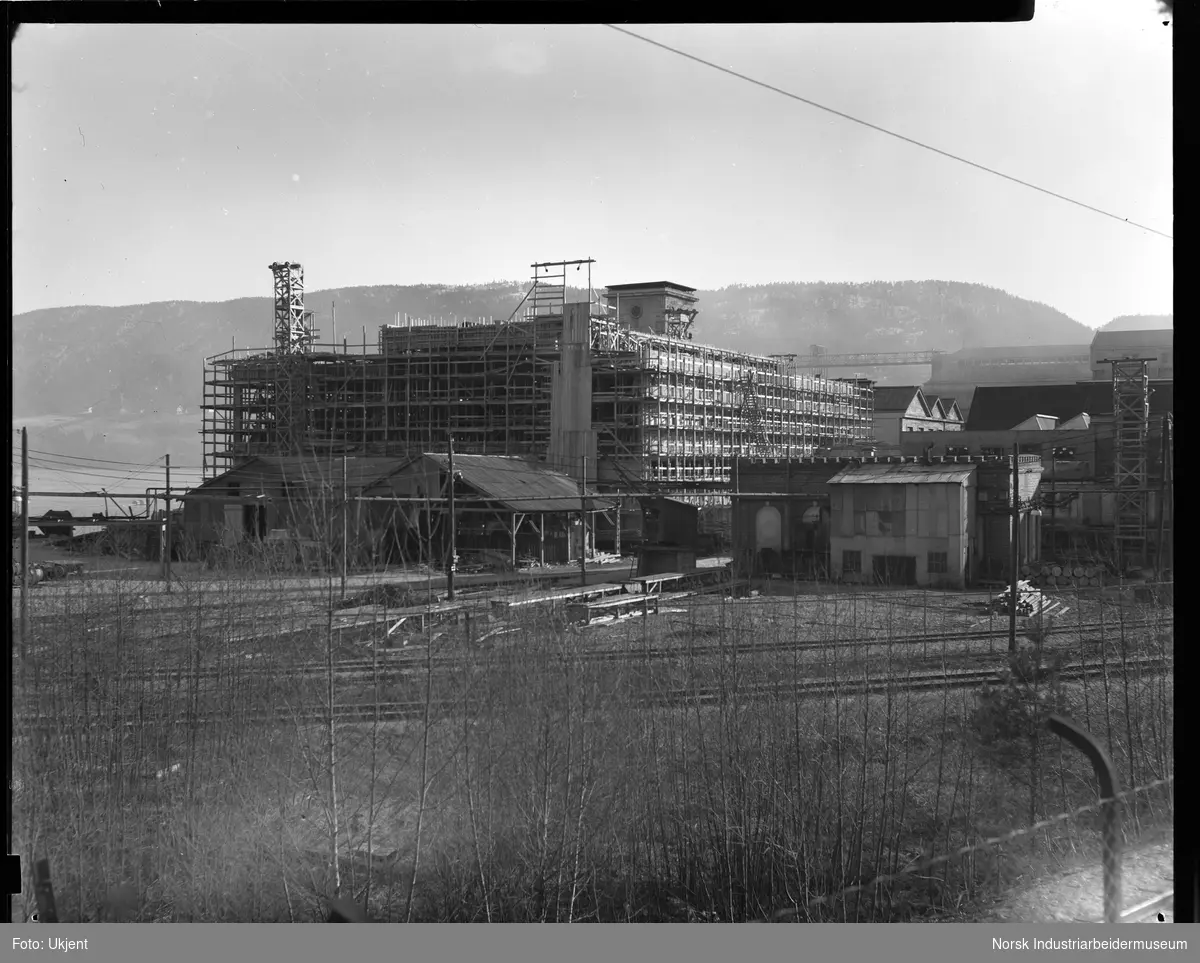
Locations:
(149, 357)
(124, 383)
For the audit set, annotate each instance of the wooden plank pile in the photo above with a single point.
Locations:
(1030, 601)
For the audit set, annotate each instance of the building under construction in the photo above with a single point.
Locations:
(612, 390)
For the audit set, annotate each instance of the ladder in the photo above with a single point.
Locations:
(751, 411)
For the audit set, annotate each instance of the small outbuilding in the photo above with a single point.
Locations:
(937, 521)
(507, 509)
(903, 524)
(393, 510)
(671, 535)
(296, 506)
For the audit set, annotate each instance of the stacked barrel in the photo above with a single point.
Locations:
(1063, 576)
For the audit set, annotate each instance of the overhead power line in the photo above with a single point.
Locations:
(884, 130)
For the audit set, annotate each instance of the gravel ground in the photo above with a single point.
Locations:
(1077, 895)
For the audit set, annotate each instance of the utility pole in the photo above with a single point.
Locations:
(167, 549)
(450, 560)
(1169, 470)
(345, 524)
(24, 557)
(1015, 549)
(1053, 500)
(583, 521)
(1162, 503)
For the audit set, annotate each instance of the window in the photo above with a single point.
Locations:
(886, 523)
(938, 563)
(879, 511)
(852, 562)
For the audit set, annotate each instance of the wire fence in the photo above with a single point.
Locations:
(1110, 857)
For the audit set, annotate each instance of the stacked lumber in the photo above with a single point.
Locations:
(1030, 601)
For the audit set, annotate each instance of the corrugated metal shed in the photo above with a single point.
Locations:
(519, 486)
(903, 475)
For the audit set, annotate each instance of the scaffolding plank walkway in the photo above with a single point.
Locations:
(560, 595)
(698, 578)
(424, 614)
(653, 584)
(643, 604)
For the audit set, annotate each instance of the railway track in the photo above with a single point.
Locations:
(415, 659)
(706, 694)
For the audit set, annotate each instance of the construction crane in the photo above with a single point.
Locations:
(819, 360)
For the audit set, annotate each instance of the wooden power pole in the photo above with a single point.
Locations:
(345, 524)
(583, 521)
(1015, 550)
(450, 560)
(167, 547)
(24, 556)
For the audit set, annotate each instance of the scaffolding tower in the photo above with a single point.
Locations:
(294, 336)
(293, 325)
(1131, 429)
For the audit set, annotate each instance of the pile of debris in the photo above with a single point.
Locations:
(1029, 599)
(46, 571)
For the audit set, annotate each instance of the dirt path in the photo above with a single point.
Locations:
(1077, 896)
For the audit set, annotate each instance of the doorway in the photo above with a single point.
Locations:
(768, 529)
(254, 521)
(895, 569)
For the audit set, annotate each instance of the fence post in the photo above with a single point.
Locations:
(43, 892)
(1106, 773)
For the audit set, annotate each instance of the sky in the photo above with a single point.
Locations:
(176, 162)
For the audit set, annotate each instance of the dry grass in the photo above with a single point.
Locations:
(551, 790)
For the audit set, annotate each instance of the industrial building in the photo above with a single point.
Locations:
(907, 408)
(1106, 447)
(937, 522)
(1003, 408)
(612, 392)
(960, 374)
(1157, 346)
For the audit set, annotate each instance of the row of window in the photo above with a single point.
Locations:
(937, 563)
